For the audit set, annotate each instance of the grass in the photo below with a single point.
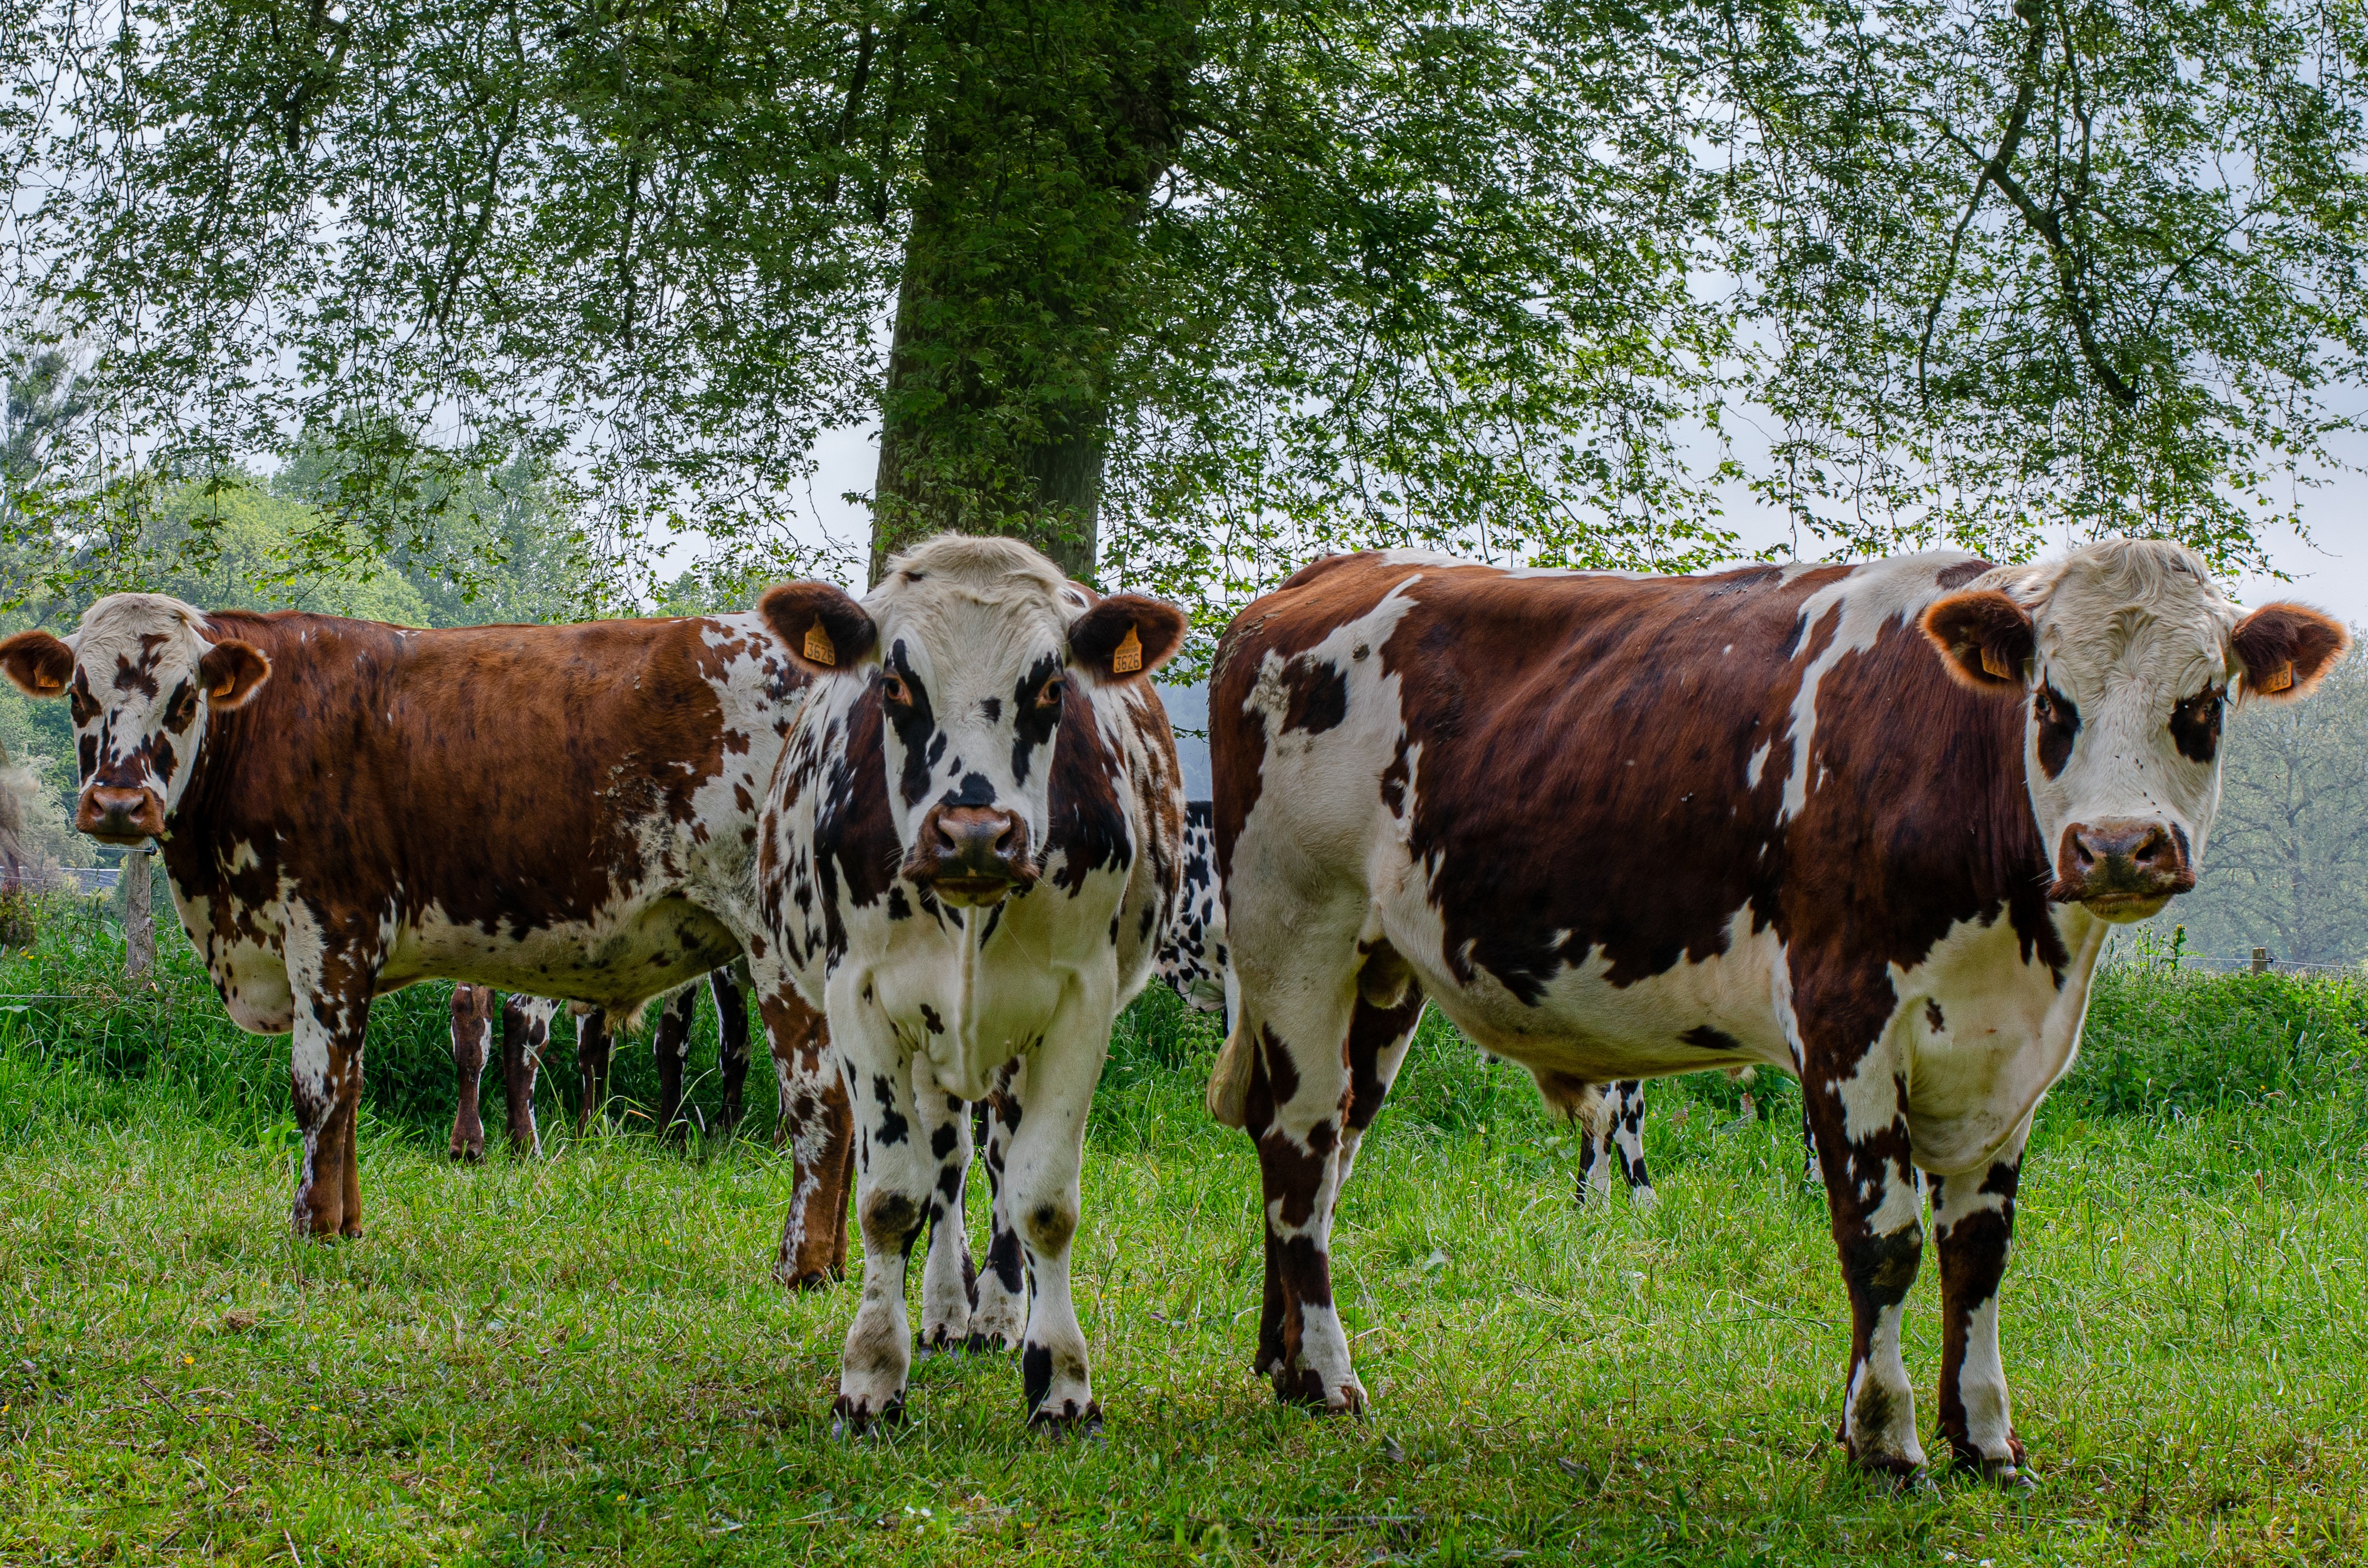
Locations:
(583, 1359)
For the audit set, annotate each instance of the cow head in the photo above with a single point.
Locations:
(141, 675)
(2127, 653)
(974, 645)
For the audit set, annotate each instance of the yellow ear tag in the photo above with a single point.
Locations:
(2283, 680)
(818, 645)
(1127, 657)
(1995, 666)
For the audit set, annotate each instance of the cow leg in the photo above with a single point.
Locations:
(670, 1043)
(592, 1044)
(730, 987)
(1378, 1037)
(895, 1180)
(1297, 1099)
(333, 989)
(1615, 1139)
(949, 1283)
(473, 1029)
(999, 1320)
(525, 1031)
(1053, 1090)
(817, 1124)
(1973, 1226)
(1876, 1205)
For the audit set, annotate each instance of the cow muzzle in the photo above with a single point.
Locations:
(2123, 868)
(116, 815)
(972, 856)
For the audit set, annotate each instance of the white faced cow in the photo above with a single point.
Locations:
(971, 849)
(1867, 824)
(345, 808)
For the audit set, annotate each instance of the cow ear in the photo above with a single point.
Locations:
(2284, 648)
(232, 671)
(37, 663)
(1984, 639)
(1124, 636)
(825, 631)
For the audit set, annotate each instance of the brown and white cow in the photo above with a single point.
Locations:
(970, 853)
(1868, 824)
(345, 808)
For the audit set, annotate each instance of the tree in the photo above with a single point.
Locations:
(1185, 291)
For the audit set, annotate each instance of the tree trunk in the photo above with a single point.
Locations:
(1020, 265)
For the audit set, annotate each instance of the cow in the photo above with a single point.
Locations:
(345, 808)
(1865, 823)
(971, 848)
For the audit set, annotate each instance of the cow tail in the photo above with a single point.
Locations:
(1229, 1080)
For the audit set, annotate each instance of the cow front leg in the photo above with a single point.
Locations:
(1053, 1090)
(1973, 1226)
(730, 987)
(1000, 1317)
(472, 1033)
(1876, 1206)
(526, 1031)
(894, 1175)
(326, 1083)
(817, 1127)
(670, 1045)
(592, 1046)
(949, 1282)
(1297, 1100)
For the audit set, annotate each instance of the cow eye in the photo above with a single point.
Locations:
(892, 687)
(1050, 696)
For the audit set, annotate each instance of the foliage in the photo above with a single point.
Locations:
(1218, 287)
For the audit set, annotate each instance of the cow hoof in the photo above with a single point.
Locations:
(810, 1279)
(853, 1420)
(1068, 1421)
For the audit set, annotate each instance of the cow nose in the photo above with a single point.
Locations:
(972, 853)
(2122, 868)
(117, 815)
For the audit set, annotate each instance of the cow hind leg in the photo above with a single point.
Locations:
(592, 1045)
(1973, 1228)
(670, 1044)
(948, 1280)
(730, 988)
(472, 1028)
(1293, 1108)
(817, 1127)
(525, 1031)
(1875, 1200)
(999, 1316)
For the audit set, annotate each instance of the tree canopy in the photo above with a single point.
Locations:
(1188, 291)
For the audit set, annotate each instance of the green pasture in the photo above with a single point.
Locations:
(584, 1359)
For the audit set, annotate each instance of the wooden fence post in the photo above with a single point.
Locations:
(139, 921)
(2261, 960)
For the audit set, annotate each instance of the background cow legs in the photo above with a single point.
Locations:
(1876, 1204)
(473, 1032)
(730, 985)
(817, 1124)
(525, 1031)
(1973, 1216)
(670, 1044)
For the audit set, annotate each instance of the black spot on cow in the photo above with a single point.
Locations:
(1319, 694)
(1704, 1038)
(892, 1125)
